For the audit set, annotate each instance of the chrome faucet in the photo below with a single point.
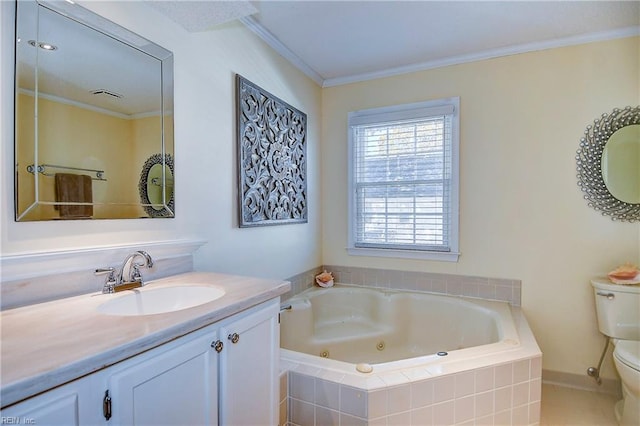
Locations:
(129, 276)
(130, 271)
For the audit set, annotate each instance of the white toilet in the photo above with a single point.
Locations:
(618, 309)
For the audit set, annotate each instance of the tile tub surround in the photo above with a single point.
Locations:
(503, 394)
(302, 281)
(501, 388)
(506, 290)
(78, 340)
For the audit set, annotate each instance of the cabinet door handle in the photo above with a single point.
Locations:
(217, 345)
(106, 405)
(234, 337)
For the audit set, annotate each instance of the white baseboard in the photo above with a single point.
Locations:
(582, 382)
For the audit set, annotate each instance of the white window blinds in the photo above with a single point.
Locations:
(402, 165)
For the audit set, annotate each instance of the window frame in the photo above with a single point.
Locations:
(398, 113)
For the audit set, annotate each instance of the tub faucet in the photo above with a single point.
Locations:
(129, 276)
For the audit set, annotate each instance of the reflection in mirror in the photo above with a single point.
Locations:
(156, 186)
(608, 164)
(93, 101)
(621, 164)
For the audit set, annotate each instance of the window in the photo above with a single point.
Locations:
(403, 181)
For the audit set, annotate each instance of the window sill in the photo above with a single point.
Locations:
(404, 254)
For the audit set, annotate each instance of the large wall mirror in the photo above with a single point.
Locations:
(93, 102)
(608, 164)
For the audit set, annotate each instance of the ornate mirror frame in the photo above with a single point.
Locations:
(167, 206)
(589, 164)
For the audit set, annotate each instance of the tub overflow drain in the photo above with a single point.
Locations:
(324, 354)
(380, 346)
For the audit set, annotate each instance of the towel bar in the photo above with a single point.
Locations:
(42, 170)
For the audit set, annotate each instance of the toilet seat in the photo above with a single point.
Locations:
(628, 353)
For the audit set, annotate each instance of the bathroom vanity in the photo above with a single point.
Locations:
(66, 362)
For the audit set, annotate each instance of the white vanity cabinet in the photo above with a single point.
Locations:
(225, 373)
(73, 404)
(176, 384)
(249, 386)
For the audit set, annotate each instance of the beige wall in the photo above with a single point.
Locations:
(521, 212)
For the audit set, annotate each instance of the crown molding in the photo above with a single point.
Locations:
(295, 60)
(488, 54)
(283, 50)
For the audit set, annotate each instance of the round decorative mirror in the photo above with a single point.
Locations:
(608, 164)
(621, 164)
(156, 186)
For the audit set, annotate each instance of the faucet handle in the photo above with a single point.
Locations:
(110, 284)
(111, 271)
(136, 276)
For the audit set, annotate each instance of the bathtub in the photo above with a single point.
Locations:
(376, 356)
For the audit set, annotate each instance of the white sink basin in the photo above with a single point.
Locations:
(159, 300)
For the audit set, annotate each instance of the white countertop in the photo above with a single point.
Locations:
(48, 344)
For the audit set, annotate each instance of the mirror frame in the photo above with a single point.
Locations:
(166, 143)
(168, 206)
(589, 164)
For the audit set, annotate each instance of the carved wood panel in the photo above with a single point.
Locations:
(272, 158)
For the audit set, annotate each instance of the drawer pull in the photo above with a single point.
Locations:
(217, 345)
(106, 405)
(234, 337)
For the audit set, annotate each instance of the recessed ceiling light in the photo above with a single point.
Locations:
(43, 45)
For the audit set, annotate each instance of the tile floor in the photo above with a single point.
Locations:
(566, 406)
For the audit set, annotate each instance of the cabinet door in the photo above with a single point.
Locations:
(249, 368)
(74, 403)
(176, 385)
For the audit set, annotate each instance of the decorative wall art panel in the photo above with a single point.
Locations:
(272, 158)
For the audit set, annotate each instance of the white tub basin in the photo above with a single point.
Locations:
(159, 300)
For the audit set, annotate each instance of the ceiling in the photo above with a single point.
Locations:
(86, 68)
(338, 42)
(333, 42)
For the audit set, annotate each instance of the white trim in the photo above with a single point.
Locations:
(405, 254)
(29, 265)
(487, 54)
(611, 386)
(251, 23)
(401, 112)
(451, 104)
(295, 60)
(82, 105)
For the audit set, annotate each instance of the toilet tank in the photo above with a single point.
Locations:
(618, 309)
